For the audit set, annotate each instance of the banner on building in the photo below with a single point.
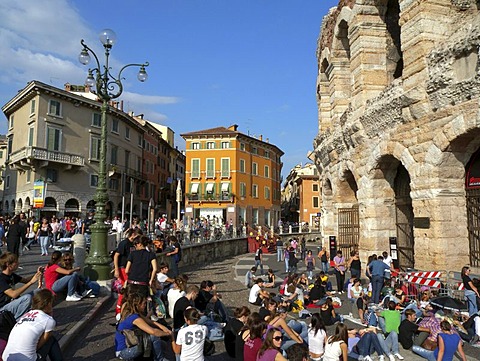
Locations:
(38, 194)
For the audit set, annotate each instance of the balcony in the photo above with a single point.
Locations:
(28, 157)
(207, 198)
(115, 170)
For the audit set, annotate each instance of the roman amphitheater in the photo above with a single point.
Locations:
(398, 144)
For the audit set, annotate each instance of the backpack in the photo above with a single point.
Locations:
(7, 321)
(36, 226)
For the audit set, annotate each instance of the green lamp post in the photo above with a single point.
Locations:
(106, 87)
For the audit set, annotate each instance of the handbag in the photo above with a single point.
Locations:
(139, 338)
(208, 348)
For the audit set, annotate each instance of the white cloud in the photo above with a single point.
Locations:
(148, 99)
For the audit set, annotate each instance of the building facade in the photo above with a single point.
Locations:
(398, 132)
(301, 196)
(232, 176)
(54, 137)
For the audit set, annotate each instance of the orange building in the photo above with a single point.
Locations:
(232, 176)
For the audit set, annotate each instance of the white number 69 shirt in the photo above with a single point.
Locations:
(192, 340)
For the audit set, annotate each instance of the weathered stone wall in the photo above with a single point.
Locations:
(427, 120)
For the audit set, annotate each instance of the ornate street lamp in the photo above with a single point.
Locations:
(106, 87)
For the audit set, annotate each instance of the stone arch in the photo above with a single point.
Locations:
(13, 206)
(27, 203)
(91, 205)
(394, 149)
(50, 202)
(20, 204)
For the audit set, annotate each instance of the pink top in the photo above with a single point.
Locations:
(51, 275)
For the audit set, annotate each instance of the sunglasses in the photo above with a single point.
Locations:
(278, 338)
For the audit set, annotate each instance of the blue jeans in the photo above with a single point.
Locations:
(51, 348)
(355, 273)
(19, 305)
(427, 354)
(279, 254)
(43, 244)
(299, 327)
(369, 344)
(286, 264)
(471, 301)
(70, 282)
(392, 342)
(325, 267)
(377, 284)
(134, 352)
(259, 263)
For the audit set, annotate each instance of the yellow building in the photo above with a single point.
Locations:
(232, 176)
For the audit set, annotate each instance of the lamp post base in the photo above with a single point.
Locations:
(98, 263)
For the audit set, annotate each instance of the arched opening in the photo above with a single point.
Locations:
(343, 37)
(394, 46)
(91, 205)
(27, 203)
(13, 206)
(472, 187)
(20, 204)
(404, 219)
(72, 207)
(6, 207)
(348, 216)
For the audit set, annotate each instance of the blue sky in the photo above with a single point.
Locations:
(213, 62)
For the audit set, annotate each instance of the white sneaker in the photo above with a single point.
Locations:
(400, 357)
(73, 298)
(86, 293)
(367, 358)
(381, 358)
(391, 357)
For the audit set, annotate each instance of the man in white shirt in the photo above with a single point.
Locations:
(388, 261)
(257, 294)
(164, 282)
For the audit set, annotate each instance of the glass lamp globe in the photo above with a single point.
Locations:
(84, 57)
(108, 37)
(142, 74)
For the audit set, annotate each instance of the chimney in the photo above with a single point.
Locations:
(260, 137)
(68, 87)
(87, 89)
(233, 127)
(121, 105)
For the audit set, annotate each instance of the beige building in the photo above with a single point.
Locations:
(54, 136)
(399, 129)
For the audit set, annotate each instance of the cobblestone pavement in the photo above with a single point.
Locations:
(95, 341)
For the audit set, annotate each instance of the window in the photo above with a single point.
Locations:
(315, 187)
(32, 107)
(127, 159)
(55, 108)
(242, 165)
(113, 184)
(114, 154)
(127, 133)
(225, 167)
(315, 202)
(267, 193)
(225, 145)
(97, 120)
(7, 182)
(115, 126)
(93, 180)
(52, 175)
(195, 145)
(10, 145)
(209, 188)
(210, 145)
(30, 136)
(242, 146)
(1, 154)
(243, 189)
(95, 148)
(255, 215)
(267, 171)
(267, 154)
(195, 168)
(210, 168)
(139, 164)
(254, 168)
(254, 190)
(54, 137)
(29, 176)
(10, 121)
(140, 140)
(254, 150)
